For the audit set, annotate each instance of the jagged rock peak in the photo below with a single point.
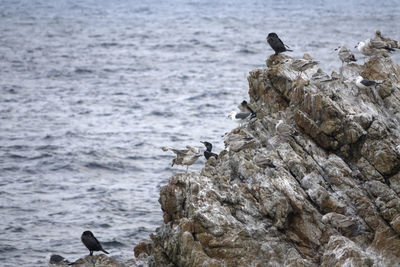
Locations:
(312, 181)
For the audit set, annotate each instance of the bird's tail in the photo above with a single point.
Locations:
(287, 48)
(104, 251)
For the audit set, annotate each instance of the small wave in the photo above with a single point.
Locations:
(15, 229)
(246, 51)
(33, 157)
(113, 244)
(104, 225)
(6, 248)
(15, 156)
(41, 156)
(10, 169)
(95, 35)
(48, 147)
(96, 165)
(165, 114)
(67, 167)
(108, 44)
(82, 70)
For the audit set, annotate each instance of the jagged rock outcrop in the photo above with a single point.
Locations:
(100, 260)
(321, 189)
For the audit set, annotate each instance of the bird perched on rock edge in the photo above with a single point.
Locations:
(345, 55)
(244, 106)
(276, 44)
(365, 84)
(369, 48)
(239, 117)
(208, 154)
(91, 242)
(186, 156)
(389, 42)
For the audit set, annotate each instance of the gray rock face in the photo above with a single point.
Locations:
(325, 193)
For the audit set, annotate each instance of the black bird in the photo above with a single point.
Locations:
(208, 154)
(245, 107)
(91, 242)
(276, 43)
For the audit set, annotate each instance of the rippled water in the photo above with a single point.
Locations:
(90, 91)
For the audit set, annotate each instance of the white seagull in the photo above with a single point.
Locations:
(239, 117)
(373, 48)
(365, 84)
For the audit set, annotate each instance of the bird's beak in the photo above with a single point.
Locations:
(336, 49)
(202, 142)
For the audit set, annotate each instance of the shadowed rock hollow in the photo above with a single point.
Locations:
(320, 189)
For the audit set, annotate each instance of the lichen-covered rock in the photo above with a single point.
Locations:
(100, 260)
(324, 192)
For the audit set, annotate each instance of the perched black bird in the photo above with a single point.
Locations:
(91, 242)
(208, 154)
(276, 43)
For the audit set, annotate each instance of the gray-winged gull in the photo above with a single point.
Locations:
(186, 156)
(365, 84)
(389, 42)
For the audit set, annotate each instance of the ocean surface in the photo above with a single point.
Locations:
(91, 91)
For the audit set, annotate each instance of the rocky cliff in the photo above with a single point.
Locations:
(319, 188)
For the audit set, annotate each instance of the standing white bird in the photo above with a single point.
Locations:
(244, 107)
(369, 48)
(345, 55)
(240, 117)
(365, 84)
(369, 84)
(186, 156)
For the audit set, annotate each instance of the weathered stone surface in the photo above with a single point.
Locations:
(100, 260)
(325, 193)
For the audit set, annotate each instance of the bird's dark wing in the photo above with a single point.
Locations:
(276, 44)
(91, 243)
(368, 82)
(242, 115)
(208, 154)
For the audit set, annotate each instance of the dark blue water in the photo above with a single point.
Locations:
(90, 91)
